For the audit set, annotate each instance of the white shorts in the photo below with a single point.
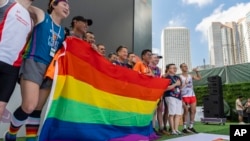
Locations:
(174, 106)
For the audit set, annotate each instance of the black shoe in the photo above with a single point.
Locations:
(169, 130)
(185, 131)
(165, 128)
(157, 133)
(6, 137)
(193, 130)
(164, 132)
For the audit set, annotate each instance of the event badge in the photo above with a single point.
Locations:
(177, 90)
(52, 52)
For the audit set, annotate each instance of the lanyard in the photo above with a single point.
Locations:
(54, 36)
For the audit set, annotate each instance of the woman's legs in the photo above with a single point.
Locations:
(171, 122)
(176, 122)
(32, 126)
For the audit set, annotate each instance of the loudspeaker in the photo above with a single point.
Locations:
(215, 85)
(216, 79)
(213, 106)
(215, 91)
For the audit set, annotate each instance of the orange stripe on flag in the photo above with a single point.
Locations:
(106, 83)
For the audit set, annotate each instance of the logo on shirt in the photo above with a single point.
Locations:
(21, 19)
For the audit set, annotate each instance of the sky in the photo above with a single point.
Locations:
(197, 16)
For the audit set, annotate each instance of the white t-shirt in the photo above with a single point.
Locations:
(238, 104)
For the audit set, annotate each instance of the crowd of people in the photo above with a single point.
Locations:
(25, 56)
(242, 108)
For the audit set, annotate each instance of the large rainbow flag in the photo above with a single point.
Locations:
(94, 100)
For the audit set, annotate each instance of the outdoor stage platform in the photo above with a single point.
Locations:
(201, 137)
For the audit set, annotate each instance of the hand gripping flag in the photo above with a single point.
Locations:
(94, 100)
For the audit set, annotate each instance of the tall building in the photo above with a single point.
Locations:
(244, 31)
(215, 45)
(243, 40)
(229, 43)
(175, 46)
(229, 36)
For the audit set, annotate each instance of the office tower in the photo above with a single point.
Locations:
(215, 45)
(175, 46)
(229, 43)
(244, 32)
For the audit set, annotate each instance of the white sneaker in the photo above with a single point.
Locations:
(178, 132)
(174, 133)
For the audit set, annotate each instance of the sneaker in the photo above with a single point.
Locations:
(174, 133)
(242, 123)
(164, 132)
(8, 137)
(192, 130)
(178, 132)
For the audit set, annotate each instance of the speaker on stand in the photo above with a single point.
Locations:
(213, 102)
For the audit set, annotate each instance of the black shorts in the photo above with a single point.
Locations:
(8, 79)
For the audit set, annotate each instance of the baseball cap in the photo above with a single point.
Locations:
(80, 18)
(158, 56)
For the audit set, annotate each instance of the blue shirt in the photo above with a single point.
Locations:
(175, 92)
(46, 36)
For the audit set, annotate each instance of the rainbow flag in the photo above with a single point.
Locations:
(94, 100)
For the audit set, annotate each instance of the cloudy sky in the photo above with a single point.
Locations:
(196, 15)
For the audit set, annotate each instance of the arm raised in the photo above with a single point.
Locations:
(36, 14)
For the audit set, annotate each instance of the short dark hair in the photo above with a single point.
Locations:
(145, 51)
(110, 54)
(182, 64)
(120, 48)
(89, 32)
(130, 53)
(240, 96)
(53, 2)
(100, 45)
(169, 65)
(84, 36)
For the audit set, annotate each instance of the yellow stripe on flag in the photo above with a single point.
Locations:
(84, 93)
